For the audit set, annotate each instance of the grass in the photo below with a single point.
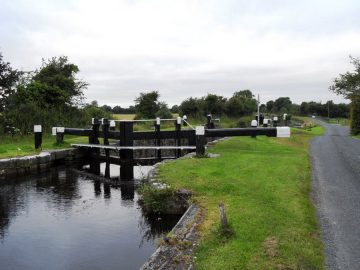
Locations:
(24, 145)
(264, 184)
(339, 121)
(123, 116)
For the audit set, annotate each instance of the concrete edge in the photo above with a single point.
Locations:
(18, 166)
(176, 250)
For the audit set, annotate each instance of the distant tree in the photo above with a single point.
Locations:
(282, 105)
(348, 85)
(262, 108)
(241, 103)
(175, 109)
(163, 111)
(270, 106)
(106, 108)
(148, 106)
(214, 104)
(192, 107)
(8, 79)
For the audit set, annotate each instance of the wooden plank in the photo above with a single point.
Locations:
(113, 147)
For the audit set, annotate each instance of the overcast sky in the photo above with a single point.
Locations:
(188, 48)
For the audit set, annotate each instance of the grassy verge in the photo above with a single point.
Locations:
(264, 184)
(339, 121)
(24, 145)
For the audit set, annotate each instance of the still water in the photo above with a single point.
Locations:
(66, 220)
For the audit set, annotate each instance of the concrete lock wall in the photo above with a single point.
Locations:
(36, 163)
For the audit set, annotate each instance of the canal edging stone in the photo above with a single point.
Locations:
(36, 163)
(176, 251)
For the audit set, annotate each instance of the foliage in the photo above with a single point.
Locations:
(8, 79)
(163, 111)
(146, 105)
(155, 199)
(192, 107)
(214, 104)
(55, 84)
(119, 110)
(93, 111)
(48, 97)
(241, 103)
(348, 85)
(355, 115)
(282, 105)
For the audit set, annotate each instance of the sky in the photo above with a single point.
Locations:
(188, 48)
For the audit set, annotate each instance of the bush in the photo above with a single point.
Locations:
(155, 199)
(355, 115)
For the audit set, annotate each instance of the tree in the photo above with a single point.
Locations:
(282, 105)
(164, 111)
(49, 96)
(147, 105)
(8, 79)
(348, 85)
(214, 104)
(192, 107)
(241, 103)
(54, 85)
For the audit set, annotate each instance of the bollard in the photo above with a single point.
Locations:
(254, 125)
(105, 129)
(94, 138)
(60, 135)
(209, 121)
(200, 140)
(38, 136)
(285, 117)
(178, 137)
(157, 135)
(275, 121)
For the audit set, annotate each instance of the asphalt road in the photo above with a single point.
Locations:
(336, 191)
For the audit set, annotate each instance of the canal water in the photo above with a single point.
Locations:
(64, 219)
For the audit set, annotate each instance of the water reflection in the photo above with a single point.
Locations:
(65, 219)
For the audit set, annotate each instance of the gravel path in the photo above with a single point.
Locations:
(336, 190)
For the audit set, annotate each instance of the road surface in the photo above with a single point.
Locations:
(336, 190)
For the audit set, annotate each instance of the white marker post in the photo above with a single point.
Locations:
(38, 136)
(200, 140)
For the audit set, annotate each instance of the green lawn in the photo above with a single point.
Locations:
(264, 184)
(24, 145)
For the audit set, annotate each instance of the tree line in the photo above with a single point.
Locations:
(52, 95)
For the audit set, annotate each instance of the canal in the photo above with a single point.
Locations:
(64, 219)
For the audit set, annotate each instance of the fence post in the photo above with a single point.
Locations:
(200, 140)
(60, 135)
(209, 121)
(95, 153)
(38, 136)
(126, 155)
(157, 135)
(105, 129)
(94, 138)
(178, 137)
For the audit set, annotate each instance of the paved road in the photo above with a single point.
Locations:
(336, 190)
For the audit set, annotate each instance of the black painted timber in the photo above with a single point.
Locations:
(228, 132)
